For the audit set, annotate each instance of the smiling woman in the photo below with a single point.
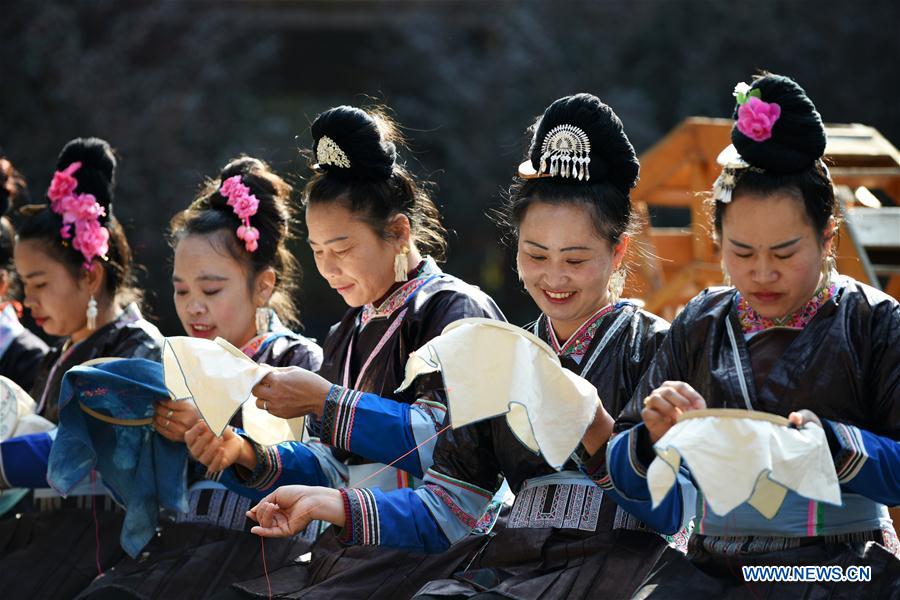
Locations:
(232, 277)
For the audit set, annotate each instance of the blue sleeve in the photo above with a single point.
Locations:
(622, 475)
(382, 430)
(23, 461)
(866, 464)
(396, 519)
(287, 463)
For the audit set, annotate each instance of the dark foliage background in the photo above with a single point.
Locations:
(180, 87)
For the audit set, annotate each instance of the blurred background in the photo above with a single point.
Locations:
(181, 87)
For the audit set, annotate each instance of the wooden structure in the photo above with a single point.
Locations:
(676, 263)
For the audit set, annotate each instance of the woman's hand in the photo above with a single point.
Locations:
(599, 431)
(289, 392)
(289, 509)
(173, 418)
(219, 453)
(664, 404)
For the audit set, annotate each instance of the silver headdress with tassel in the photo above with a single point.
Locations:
(566, 152)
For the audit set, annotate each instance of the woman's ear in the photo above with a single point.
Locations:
(619, 251)
(94, 278)
(264, 286)
(400, 231)
(829, 235)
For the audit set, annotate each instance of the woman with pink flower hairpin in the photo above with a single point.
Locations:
(75, 265)
(233, 277)
(791, 337)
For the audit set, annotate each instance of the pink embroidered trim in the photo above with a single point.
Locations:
(81, 210)
(577, 344)
(398, 298)
(752, 322)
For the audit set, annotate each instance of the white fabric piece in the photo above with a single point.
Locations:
(17, 412)
(738, 456)
(492, 368)
(219, 378)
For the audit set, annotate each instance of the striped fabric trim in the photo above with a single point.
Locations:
(338, 415)
(462, 516)
(268, 467)
(852, 455)
(633, 456)
(363, 528)
(460, 484)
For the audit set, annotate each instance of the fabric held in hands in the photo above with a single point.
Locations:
(105, 417)
(492, 368)
(738, 456)
(219, 378)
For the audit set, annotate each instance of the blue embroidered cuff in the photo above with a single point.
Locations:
(268, 467)
(337, 416)
(851, 452)
(361, 522)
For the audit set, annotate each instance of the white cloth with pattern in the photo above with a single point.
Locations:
(219, 378)
(738, 456)
(492, 368)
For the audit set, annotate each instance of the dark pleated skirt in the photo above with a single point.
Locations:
(556, 563)
(54, 554)
(706, 575)
(194, 561)
(338, 571)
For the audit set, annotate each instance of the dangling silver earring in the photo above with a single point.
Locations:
(616, 286)
(828, 267)
(91, 313)
(263, 320)
(400, 265)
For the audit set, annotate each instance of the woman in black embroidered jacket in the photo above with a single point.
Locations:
(370, 224)
(77, 285)
(223, 287)
(791, 337)
(571, 215)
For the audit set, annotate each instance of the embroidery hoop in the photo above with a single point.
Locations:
(734, 413)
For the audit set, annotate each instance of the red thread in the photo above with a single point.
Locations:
(96, 522)
(395, 461)
(262, 544)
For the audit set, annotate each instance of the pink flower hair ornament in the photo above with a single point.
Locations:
(81, 211)
(244, 204)
(756, 118)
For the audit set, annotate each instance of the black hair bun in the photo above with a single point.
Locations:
(349, 142)
(798, 135)
(97, 174)
(612, 156)
(243, 166)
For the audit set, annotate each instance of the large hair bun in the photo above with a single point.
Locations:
(612, 156)
(97, 174)
(352, 144)
(797, 137)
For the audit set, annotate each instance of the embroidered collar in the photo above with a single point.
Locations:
(274, 329)
(577, 345)
(752, 322)
(398, 297)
